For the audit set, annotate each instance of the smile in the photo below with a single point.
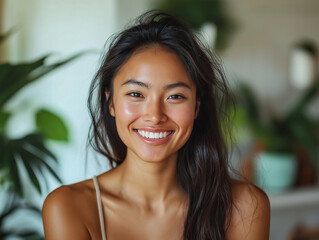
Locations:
(154, 135)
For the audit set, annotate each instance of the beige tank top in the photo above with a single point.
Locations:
(100, 207)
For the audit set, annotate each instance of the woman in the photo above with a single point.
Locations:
(158, 122)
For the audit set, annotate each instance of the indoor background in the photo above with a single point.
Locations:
(268, 46)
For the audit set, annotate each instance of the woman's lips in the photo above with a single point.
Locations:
(154, 136)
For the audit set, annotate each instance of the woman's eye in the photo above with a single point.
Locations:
(176, 97)
(135, 94)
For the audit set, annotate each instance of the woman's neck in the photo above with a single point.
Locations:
(148, 183)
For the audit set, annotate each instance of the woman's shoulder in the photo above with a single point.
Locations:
(250, 217)
(246, 194)
(69, 208)
(69, 194)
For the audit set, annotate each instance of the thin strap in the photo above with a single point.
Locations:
(99, 205)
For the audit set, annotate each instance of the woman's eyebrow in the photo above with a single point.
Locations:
(146, 85)
(136, 82)
(177, 84)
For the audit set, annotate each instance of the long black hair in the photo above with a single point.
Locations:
(202, 161)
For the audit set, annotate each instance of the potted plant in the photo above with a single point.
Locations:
(29, 151)
(281, 139)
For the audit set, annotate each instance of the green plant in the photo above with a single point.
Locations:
(288, 133)
(13, 206)
(30, 150)
(198, 12)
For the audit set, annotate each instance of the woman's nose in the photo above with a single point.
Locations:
(154, 112)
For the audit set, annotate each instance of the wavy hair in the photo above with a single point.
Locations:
(202, 162)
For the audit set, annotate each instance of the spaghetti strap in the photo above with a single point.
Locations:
(99, 205)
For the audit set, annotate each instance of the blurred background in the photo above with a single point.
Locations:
(50, 51)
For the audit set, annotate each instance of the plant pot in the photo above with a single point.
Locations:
(275, 172)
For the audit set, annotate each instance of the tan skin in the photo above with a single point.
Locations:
(141, 198)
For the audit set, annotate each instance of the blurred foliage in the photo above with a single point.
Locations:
(44, 118)
(196, 13)
(11, 207)
(288, 133)
(29, 151)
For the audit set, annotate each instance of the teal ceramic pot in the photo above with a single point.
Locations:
(275, 172)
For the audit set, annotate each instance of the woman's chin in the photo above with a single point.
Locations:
(157, 158)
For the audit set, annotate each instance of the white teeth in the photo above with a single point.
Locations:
(153, 135)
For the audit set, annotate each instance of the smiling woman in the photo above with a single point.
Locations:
(157, 121)
(160, 100)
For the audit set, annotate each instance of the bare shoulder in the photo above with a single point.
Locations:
(68, 192)
(250, 213)
(65, 212)
(248, 197)
(66, 196)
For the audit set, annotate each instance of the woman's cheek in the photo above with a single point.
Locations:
(128, 110)
(184, 115)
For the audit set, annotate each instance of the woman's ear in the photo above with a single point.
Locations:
(111, 107)
(197, 108)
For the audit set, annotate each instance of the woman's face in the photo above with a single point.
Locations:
(154, 103)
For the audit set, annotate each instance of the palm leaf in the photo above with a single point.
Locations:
(4, 116)
(40, 162)
(36, 141)
(31, 151)
(15, 77)
(14, 174)
(26, 161)
(13, 206)
(44, 177)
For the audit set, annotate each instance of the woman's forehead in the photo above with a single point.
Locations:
(154, 64)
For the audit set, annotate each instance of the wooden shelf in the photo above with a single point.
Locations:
(302, 197)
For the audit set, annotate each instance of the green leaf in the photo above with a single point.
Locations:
(36, 140)
(51, 125)
(5, 151)
(304, 100)
(45, 179)
(248, 99)
(4, 116)
(34, 155)
(26, 161)
(46, 69)
(52, 172)
(14, 175)
(14, 77)
(40, 162)
(302, 129)
(11, 207)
